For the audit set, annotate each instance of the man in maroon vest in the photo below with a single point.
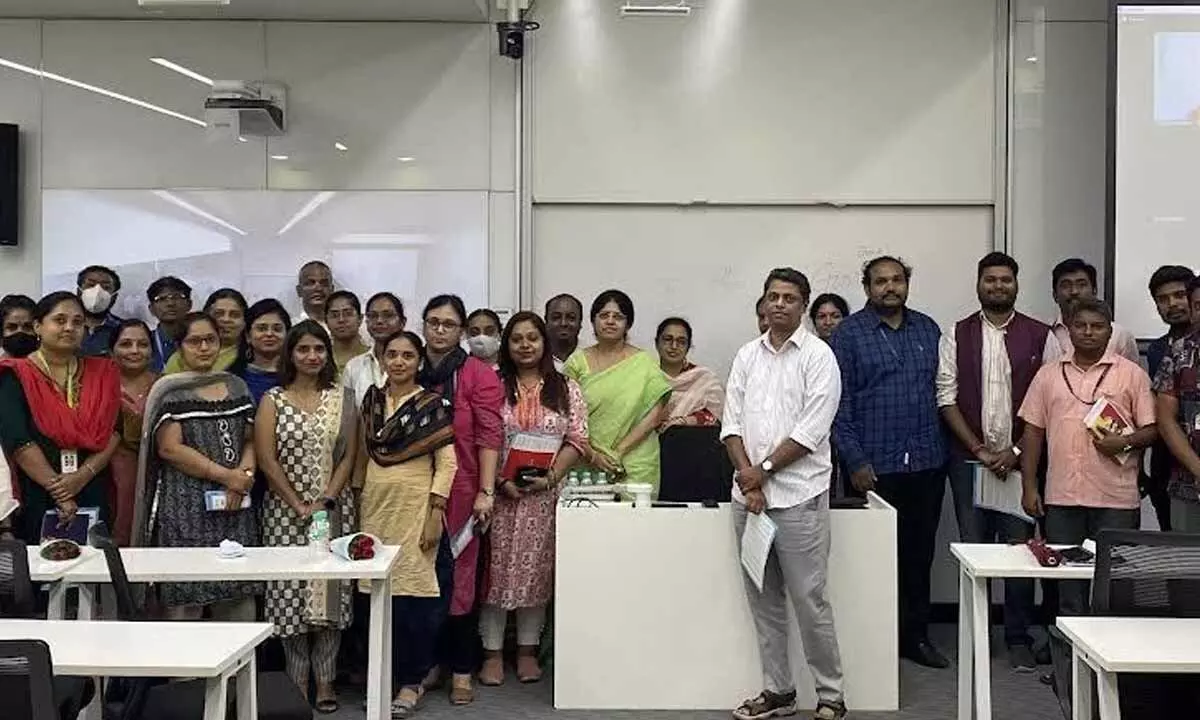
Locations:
(984, 369)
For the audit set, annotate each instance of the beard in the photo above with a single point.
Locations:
(997, 305)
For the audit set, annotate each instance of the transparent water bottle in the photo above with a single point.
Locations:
(318, 535)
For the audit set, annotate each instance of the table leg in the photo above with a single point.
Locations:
(87, 602)
(981, 647)
(965, 656)
(1110, 701)
(1081, 688)
(215, 700)
(379, 652)
(57, 608)
(247, 689)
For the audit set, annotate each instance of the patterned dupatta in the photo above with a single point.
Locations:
(423, 423)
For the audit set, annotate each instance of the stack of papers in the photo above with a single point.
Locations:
(757, 539)
(1001, 494)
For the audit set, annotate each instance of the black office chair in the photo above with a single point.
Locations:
(152, 699)
(694, 465)
(27, 680)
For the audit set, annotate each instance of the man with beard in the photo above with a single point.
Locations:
(564, 318)
(985, 365)
(889, 434)
(1169, 288)
(313, 286)
(97, 287)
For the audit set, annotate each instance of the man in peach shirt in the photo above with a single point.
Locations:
(1088, 488)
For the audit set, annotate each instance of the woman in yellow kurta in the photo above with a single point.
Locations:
(408, 463)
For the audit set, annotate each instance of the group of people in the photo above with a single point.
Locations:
(235, 423)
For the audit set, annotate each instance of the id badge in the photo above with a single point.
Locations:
(69, 460)
(1196, 423)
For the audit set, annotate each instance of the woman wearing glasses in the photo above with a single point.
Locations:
(385, 318)
(476, 396)
(267, 324)
(696, 395)
(196, 466)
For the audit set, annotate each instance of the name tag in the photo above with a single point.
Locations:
(69, 461)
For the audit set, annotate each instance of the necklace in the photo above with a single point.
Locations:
(1095, 389)
(67, 385)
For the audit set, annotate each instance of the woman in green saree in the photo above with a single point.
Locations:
(626, 394)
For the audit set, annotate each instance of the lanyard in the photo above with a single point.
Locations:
(70, 389)
(1063, 369)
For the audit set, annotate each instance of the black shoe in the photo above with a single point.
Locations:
(924, 653)
(1042, 654)
(1047, 679)
(1021, 659)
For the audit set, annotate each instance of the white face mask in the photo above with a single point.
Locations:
(96, 300)
(484, 347)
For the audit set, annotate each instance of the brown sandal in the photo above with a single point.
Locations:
(492, 672)
(461, 690)
(528, 670)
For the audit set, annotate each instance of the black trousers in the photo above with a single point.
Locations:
(917, 497)
(1071, 525)
(416, 622)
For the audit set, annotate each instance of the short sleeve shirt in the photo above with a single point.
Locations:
(1179, 376)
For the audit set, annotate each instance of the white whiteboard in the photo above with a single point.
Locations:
(778, 101)
(708, 264)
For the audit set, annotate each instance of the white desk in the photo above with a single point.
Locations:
(183, 565)
(1110, 645)
(213, 651)
(51, 571)
(651, 612)
(977, 565)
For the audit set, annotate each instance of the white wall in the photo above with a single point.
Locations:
(433, 92)
(1057, 153)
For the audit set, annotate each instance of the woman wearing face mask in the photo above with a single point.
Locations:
(696, 395)
(58, 412)
(227, 307)
(16, 317)
(626, 393)
(261, 346)
(305, 433)
(538, 400)
(408, 461)
(131, 352)
(483, 336)
(196, 465)
(476, 396)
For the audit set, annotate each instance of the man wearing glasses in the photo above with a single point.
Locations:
(170, 300)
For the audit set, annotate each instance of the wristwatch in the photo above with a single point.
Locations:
(490, 492)
(767, 466)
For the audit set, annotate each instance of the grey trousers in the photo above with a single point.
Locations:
(796, 568)
(1188, 514)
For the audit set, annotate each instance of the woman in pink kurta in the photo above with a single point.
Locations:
(476, 394)
(542, 404)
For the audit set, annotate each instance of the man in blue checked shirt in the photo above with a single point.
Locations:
(889, 433)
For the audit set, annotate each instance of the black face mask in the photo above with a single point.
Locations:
(20, 344)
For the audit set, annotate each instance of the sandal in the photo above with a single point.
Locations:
(829, 711)
(405, 703)
(528, 670)
(326, 704)
(767, 705)
(461, 690)
(492, 672)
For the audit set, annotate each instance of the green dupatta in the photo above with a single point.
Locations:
(618, 398)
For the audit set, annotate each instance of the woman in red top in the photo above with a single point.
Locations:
(476, 394)
(58, 413)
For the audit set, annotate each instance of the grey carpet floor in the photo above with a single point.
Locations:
(924, 695)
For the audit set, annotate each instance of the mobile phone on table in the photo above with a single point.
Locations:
(1077, 555)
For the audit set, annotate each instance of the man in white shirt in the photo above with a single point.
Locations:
(314, 283)
(1073, 279)
(783, 393)
(986, 362)
(385, 317)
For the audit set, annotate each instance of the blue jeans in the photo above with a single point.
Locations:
(985, 526)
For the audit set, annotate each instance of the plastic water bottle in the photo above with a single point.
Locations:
(318, 535)
(573, 477)
(601, 477)
(585, 477)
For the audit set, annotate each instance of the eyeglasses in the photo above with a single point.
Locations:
(201, 341)
(276, 328)
(443, 325)
(347, 314)
(172, 297)
(382, 316)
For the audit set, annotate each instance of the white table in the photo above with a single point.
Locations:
(1110, 645)
(213, 651)
(183, 565)
(51, 571)
(651, 611)
(977, 565)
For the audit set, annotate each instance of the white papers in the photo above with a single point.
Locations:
(463, 538)
(999, 494)
(757, 539)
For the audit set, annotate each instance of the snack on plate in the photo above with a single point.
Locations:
(355, 546)
(60, 549)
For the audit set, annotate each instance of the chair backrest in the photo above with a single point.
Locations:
(694, 466)
(27, 680)
(127, 608)
(1147, 574)
(16, 589)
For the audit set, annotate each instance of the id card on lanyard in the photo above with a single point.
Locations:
(69, 461)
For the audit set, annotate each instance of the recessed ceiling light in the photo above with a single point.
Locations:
(405, 159)
(1031, 59)
(242, 139)
(279, 157)
(180, 3)
(680, 9)
(340, 146)
(186, 72)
